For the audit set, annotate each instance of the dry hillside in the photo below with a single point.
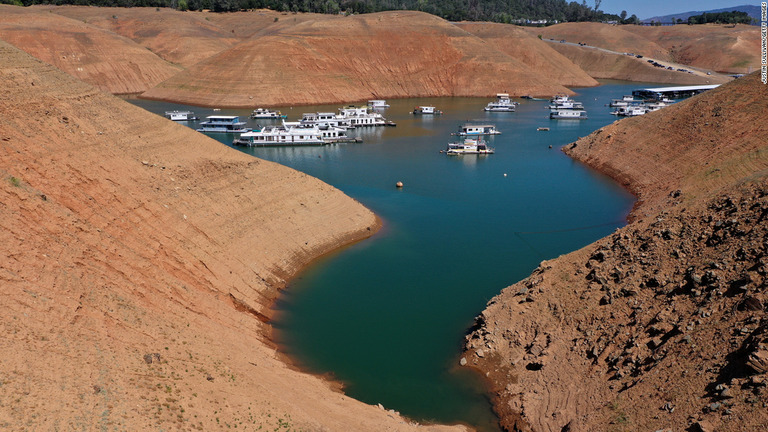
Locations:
(180, 38)
(661, 325)
(338, 59)
(139, 261)
(601, 64)
(109, 61)
(528, 49)
(712, 47)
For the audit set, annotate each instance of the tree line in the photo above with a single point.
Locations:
(507, 11)
(734, 17)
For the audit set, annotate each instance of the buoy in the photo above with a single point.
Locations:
(399, 184)
(505, 174)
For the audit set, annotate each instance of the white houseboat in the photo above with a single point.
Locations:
(324, 119)
(263, 113)
(568, 114)
(657, 105)
(426, 110)
(281, 136)
(377, 104)
(180, 115)
(471, 129)
(225, 124)
(293, 134)
(624, 101)
(468, 146)
(501, 104)
(565, 102)
(630, 111)
(361, 116)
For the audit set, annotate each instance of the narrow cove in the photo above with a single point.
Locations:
(386, 317)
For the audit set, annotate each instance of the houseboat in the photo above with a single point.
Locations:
(180, 115)
(625, 101)
(324, 119)
(426, 110)
(568, 114)
(224, 124)
(377, 104)
(361, 116)
(630, 111)
(293, 134)
(564, 102)
(501, 104)
(262, 113)
(468, 146)
(656, 105)
(281, 136)
(471, 129)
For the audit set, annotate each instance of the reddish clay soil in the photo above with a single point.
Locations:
(339, 59)
(600, 64)
(661, 325)
(111, 62)
(140, 260)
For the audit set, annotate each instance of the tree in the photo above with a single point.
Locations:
(623, 15)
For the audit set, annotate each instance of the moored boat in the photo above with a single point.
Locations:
(630, 111)
(263, 113)
(377, 104)
(502, 104)
(564, 102)
(624, 101)
(470, 129)
(468, 146)
(293, 134)
(222, 124)
(324, 119)
(568, 114)
(180, 115)
(361, 116)
(424, 109)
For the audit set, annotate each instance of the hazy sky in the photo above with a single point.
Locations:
(650, 8)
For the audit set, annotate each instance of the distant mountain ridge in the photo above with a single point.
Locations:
(753, 11)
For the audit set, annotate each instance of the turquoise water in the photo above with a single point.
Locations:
(387, 316)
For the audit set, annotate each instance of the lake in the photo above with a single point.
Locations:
(387, 316)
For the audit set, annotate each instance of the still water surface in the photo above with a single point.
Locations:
(387, 316)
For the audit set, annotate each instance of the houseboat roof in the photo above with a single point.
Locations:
(222, 117)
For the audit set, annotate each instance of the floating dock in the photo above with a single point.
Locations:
(672, 92)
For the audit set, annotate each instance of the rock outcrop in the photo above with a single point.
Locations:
(662, 324)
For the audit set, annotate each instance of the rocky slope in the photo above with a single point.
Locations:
(139, 261)
(662, 325)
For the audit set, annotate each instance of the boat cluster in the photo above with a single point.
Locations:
(473, 132)
(628, 106)
(563, 107)
(312, 129)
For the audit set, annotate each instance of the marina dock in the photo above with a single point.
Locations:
(672, 92)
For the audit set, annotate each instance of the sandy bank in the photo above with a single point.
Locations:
(140, 260)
